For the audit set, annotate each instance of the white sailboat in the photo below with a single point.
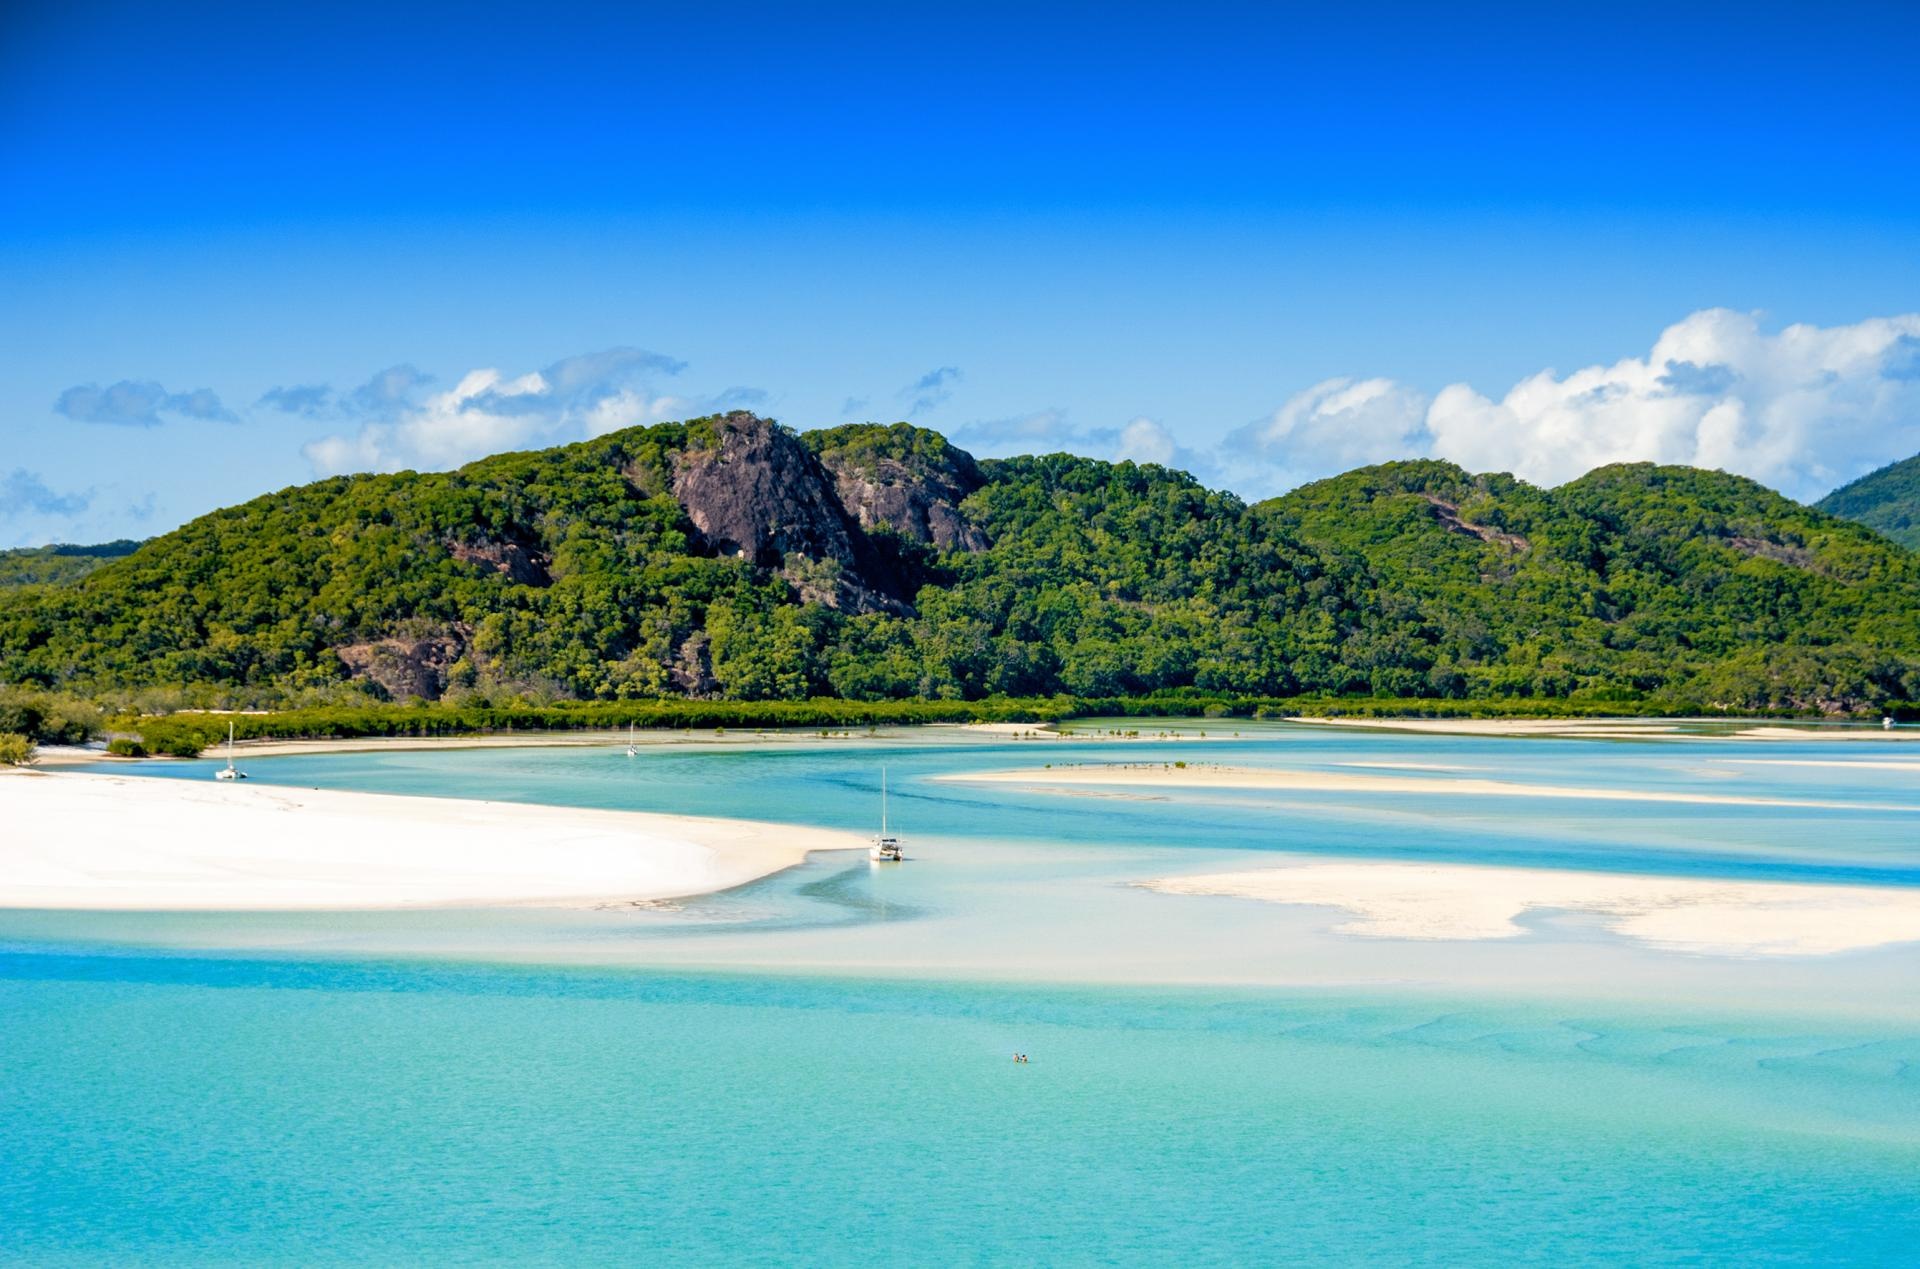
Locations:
(229, 772)
(631, 751)
(886, 847)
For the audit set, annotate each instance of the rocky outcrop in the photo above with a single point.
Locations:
(1792, 554)
(759, 494)
(406, 666)
(917, 495)
(1448, 514)
(523, 564)
(691, 669)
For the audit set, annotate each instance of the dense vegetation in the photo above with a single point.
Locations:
(724, 560)
(1633, 582)
(48, 717)
(186, 734)
(33, 565)
(1887, 500)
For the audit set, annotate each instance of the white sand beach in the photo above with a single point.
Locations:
(1166, 776)
(1506, 726)
(1860, 731)
(1849, 764)
(1639, 728)
(1470, 901)
(73, 840)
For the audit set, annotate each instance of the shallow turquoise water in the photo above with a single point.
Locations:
(837, 785)
(328, 1088)
(166, 1109)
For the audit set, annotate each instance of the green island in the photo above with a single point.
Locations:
(61, 562)
(727, 571)
(1887, 500)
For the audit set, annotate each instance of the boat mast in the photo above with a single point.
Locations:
(229, 746)
(883, 801)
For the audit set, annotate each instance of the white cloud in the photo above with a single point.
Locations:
(23, 492)
(1802, 409)
(1041, 432)
(379, 397)
(930, 390)
(486, 412)
(1145, 441)
(1333, 426)
(630, 407)
(140, 403)
(445, 430)
(1139, 440)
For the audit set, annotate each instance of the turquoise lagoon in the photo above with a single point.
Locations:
(815, 1068)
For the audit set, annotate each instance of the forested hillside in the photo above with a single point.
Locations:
(1887, 500)
(32, 565)
(728, 558)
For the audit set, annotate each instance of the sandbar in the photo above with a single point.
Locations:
(1635, 728)
(1471, 901)
(1861, 731)
(1848, 764)
(1506, 726)
(85, 841)
(1167, 776)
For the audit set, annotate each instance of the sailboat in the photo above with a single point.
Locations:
(631, 751)
(229, 772)
(886, 847)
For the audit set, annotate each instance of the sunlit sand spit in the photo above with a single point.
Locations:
(1827, 733)
(1506, 726)
(1166, 775)
(106, 842)
(1470, 901)
(1639, 728)
(1848, 764)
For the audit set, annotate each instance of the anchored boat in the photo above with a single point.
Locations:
(229, 772)
(886, 847)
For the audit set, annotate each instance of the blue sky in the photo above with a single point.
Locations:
(1262, 242)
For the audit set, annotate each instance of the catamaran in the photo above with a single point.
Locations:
(631, 751)
(886, 847)
(229, 772)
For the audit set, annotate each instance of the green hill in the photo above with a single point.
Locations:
(1887, 500)
(728, 558)
(37, 565)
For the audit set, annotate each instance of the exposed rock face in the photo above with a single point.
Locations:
(525, 565)
(405, 667)
(692, 668)
(1789, 553)
(1448, 514)
(761, 495)
(918, 499)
